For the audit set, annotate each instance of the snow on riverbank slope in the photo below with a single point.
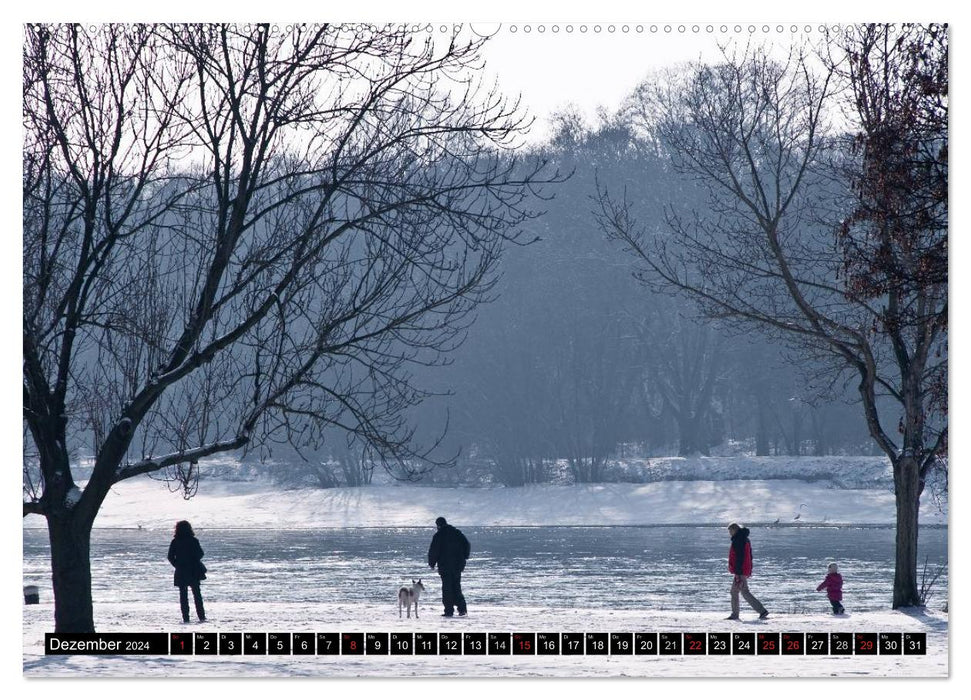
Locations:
(220, 504)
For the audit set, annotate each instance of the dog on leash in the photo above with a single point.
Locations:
(408, 595)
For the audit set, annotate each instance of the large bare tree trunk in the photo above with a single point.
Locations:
(71, 573)
(906, 477)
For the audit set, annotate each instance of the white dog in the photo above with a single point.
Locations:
(408, 595)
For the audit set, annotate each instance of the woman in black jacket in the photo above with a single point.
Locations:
(185, 554)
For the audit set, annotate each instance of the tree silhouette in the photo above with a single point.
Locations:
(838, 244)
(238, 234)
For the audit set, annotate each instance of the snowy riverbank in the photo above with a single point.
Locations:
(147, 503)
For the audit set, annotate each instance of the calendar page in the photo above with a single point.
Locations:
(547, 349)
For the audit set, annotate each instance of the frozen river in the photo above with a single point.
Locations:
(656, 568)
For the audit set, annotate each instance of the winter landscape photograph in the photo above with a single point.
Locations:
(537, 350)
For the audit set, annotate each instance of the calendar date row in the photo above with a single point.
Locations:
(492, 643)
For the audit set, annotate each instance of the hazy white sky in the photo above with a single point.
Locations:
(598, 64)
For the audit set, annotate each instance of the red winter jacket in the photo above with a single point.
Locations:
(833, 583)
(741, 549)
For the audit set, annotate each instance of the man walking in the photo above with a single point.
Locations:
(449, 550)
(740, 564)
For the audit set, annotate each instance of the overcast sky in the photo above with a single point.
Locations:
(592, 65)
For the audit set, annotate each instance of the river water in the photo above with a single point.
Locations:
(659, 568)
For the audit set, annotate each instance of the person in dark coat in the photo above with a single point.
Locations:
(740, 564)
(449, 550)
(185, 554)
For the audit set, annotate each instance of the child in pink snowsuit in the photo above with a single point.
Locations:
(833, 583)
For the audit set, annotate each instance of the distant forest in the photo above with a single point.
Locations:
(575, 359)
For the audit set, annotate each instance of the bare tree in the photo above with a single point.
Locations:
(504, 401)
(778, 250)
(595, 376)
(685, 362)
(238, 234)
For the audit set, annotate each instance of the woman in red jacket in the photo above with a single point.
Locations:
(740, 564)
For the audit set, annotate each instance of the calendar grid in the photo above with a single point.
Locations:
(373, 644)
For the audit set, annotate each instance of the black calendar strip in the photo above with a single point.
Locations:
(762, 644)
